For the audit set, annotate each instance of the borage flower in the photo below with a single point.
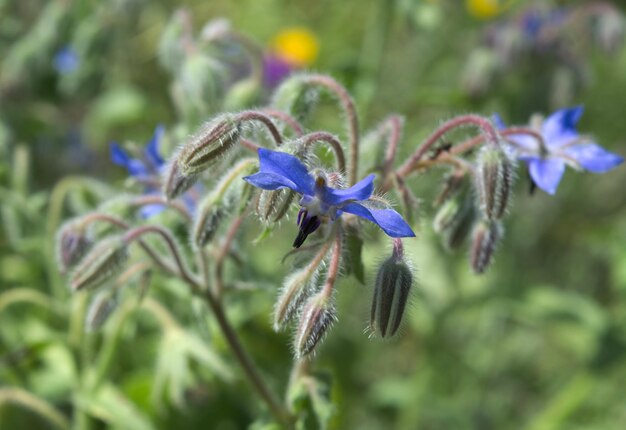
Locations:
(319, 202)
(562, 145)
(148, 170)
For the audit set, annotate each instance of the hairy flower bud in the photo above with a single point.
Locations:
(100, 309)
(316, 317)
(273, 205)
(211, 142)
(176, 182)
(297, 287)
(295, 97)
(72, 243)
(494, 179)
(454, 219)
(391, 293)
(207, 220)
(485, 239)
(105, 260)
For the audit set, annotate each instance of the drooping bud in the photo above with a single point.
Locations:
(317, 316)
(454, 219)
(485, 239)
(273, 205)
(100, 309)
(211, 142)
(208, 217)
(72, 243)
(295, 97)
(297, 287)
(176, 182)
(391, 292)
(494, 179)
(104, 261)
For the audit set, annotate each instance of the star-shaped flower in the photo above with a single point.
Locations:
(563, 145)
(319, 201)
(147, 169)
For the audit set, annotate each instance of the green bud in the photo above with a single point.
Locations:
(72, 243)
(100, 309)
(316, 317)
(273, 205)
(211, 142)
(208, 217)
(176, 182)
(391, 292)
(454, 219)
(485, 239)
(295, 97)
(297, 287)
(494, 179)
(103, 262)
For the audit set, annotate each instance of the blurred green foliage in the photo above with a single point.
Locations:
(538, 343)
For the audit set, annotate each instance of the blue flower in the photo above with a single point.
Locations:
(320, 202)
(149, 166)
(66, 60)
(563, 145)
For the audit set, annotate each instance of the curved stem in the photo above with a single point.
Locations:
(322, 136)
(223, 252)
(483, 123)
(251, 115)
(42, 408)
(136, 233)
(393, 127)
(97, 216)
(286, 118)
(333, 265)
(352, 119)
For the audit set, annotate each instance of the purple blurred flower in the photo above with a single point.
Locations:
(66, 60)
(319, 201)
(563, 145)
(275, 69)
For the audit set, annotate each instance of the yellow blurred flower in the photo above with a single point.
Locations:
(297, 46)
(486, 9)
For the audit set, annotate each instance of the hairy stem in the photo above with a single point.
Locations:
(322, 136)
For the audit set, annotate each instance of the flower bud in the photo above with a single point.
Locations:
(485, 239)
(211, 142)
(207, 220)
(317, 316)
(391, 293)
(100, 309)
(295, 97)
(454, 219)
(273, 205)
(296, 289)
(72, 243)
(494, 179)
(176, 182)
(105, 260)
(242, 94)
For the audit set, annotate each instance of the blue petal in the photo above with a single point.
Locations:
(546, 173)
(388, 220)
(362, 190)
(270, 181)
(521, 141)
(498, 121)
(594, 158)
(152, 148)
(294, 173)
(121, 158)
(148, 211)
(560, 127)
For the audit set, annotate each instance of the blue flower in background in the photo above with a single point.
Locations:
(563, 145)
(66, 60)
(319, 201)
(143, 169)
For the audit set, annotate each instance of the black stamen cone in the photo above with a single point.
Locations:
(308, 224)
